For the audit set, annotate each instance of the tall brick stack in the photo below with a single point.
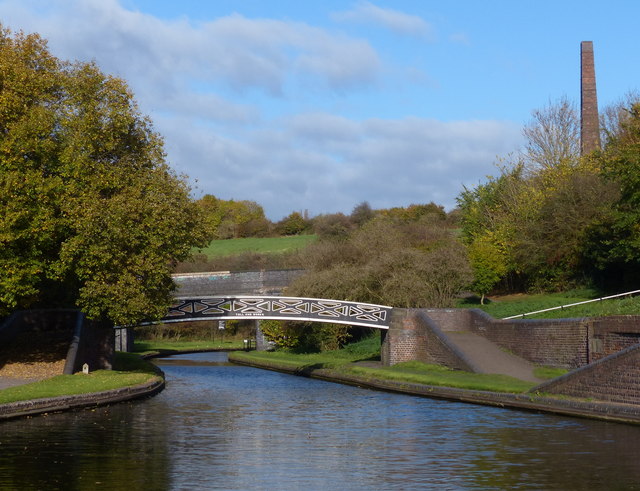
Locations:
(589, 124)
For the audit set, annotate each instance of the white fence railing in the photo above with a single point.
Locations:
(522, 316)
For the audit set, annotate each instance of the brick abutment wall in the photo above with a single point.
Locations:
(615, 378)
(561, 343)
(406, 339)
(603, 353)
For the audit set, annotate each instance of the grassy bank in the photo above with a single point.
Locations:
(267, 245)
(509, 305)
(349, 361)
(129, 369)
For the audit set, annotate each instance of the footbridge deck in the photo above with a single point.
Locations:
(280, 308)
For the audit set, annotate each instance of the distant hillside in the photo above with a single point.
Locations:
(248, 254)
(266, 245)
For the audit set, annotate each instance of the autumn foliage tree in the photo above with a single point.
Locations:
(614, 240)
(387, 262)
(227, 219)
(90, 213)
(554, 219)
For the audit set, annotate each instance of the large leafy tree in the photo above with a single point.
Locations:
(614, 241)
(536, 214)
(90, 213)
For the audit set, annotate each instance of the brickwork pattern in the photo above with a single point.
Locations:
(559, 343)
(603, 353)
(613, 334)
(450, 319)
(406, 339)
(415, 335)
(615, 378)
(589, 124)
(439, 351)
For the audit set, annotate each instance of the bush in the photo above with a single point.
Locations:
(389, 263)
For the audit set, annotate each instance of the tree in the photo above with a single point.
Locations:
(336, 226)
(233, 219)
(537, 212)
(415, 212)
(90, 213)
(293, 224)
(361, 214)
(614, 116)
(615, 239)
(553, 136)
(386, 262)
(489, 266)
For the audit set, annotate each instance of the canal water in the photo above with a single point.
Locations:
(218, 426)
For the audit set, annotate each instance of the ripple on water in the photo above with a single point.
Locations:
(230, 427)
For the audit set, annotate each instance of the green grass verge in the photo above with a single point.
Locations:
(422, 373)
(129, 370)
(410, 372)
(155, 346)
(267, 245)
(548, 373)
(519, 304)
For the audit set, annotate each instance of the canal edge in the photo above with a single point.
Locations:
(618, 413)
(21, 409)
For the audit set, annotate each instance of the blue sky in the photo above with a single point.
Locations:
(318, 106)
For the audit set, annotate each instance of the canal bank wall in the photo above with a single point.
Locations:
(565, 406)
(21, 409)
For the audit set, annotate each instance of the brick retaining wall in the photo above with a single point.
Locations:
(242, 283)
(615, 378)
(561, 343)
(612, 334)
(414, 335)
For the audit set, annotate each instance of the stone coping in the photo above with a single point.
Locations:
(620, 413)
(33, 407)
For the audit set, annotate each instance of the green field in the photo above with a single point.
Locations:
(266, 245)
(511, 305)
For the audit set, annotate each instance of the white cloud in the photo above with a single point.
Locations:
(394, 20)
(235, 51)
(211, 88)
(325, 163)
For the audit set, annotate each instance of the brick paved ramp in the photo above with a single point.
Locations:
(486, 357)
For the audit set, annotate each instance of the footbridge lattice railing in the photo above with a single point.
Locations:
(280, 308)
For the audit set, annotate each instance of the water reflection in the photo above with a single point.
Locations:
(84, 450)
(218, 426)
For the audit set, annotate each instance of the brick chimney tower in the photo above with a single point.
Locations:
(589, 124)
